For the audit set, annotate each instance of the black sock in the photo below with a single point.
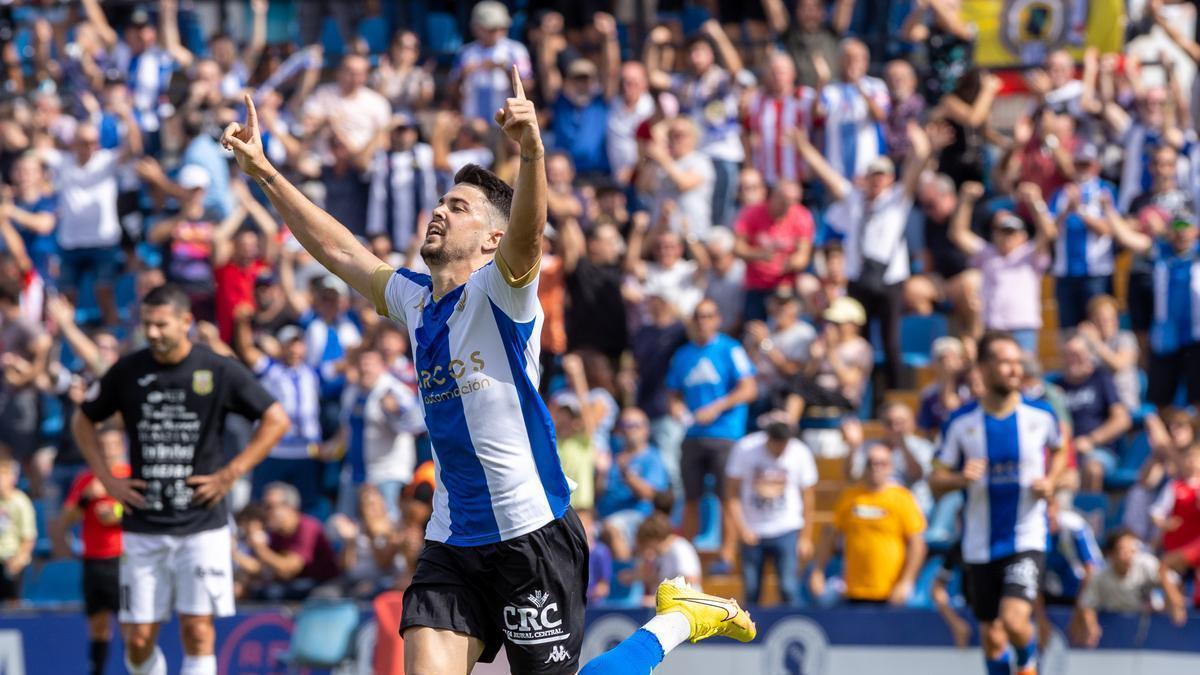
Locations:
(98, 656)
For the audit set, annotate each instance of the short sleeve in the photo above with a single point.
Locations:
(674, 379)
(260, 366)
(515, 296)
(841, 510)
(742, 365)
(735, 466)
(1108, 390)
(104, 404)
(246, 396)
(393, 291)
(912, 521)
(75, 494)
(808, 467)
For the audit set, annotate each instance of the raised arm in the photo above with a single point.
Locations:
(960, 224)
(1185, 43)
(727, 54)
(838, 186)
(610, 64)
(95, 16)
(258, 34)
(777, 15)
(1044, 225)
(521, 247)
(318, 232)
(169, 29)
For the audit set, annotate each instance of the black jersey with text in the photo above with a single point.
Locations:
(174, 416)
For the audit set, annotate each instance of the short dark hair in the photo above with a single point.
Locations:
(1115, 536)
(168, 295)
(990, 338)
(499, 194)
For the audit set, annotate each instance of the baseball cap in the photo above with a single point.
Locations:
(581, 68)
(332, 283)
(1009, 221)
(194, 177)
(1087, 152)
(288, 334)
(490, 15)
(846, 310)
(566, 399)
(881, 164)
(140, 17)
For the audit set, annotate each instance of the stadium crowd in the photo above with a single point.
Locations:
(778, 230)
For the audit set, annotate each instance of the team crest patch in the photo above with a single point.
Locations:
(202, 382)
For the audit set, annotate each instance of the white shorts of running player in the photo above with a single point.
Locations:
(191, 573)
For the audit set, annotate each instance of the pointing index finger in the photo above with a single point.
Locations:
(251, 113)
(518, 88)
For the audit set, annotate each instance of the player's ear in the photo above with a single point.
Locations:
(491, 240)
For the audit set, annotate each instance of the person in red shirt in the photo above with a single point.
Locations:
(234, 278)
(290, 547)
(775, 239)
(1177, 514)
(100, 514)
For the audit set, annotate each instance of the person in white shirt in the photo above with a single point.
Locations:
(769, 487)
(627, 111)
(355, 112)
(681, 175)
(88, 227)
(481, 71)
(380, 416)
(872, 214)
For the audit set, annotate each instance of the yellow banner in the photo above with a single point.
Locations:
(1022, 32)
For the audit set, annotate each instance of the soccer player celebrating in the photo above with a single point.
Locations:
(505, 559)
(173, 398)
(996, 450)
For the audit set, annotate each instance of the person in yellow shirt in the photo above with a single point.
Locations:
(18, 530)
(883, 534)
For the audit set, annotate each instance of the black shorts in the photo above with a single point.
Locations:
(101, 585)
(1016, 576)
(527, 594)
(700, 457)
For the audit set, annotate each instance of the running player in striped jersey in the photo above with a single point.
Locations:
(1004, 452)
(505, 560)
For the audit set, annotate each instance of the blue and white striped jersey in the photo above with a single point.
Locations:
(298, 390)
(1176, 284)
(477, 347)
(1002, 517)
(1079, 250)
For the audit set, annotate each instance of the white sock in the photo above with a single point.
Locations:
(671, 629)
(155, 665)
(199, 665)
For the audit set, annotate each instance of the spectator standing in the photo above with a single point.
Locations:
(580, 102)
(882, 531)
(944, 263)
(480, 73)
(708, 95)
(352, 110)
(873, 220)
(949, 43)
(296, 385)
(711, 384)
(380, 416)
(594, 280)
(853, 112)
(1125, 584)
(776, 241)
(906, 106)
(834, 379)
(632, 106)
(809, 39)
(652, 346)
(1174, 337)
(964, 114)
(1011, 264)
(18, 531)
(24, 347)
(770, 114)
(31, 205)
(242, 266)
(682, 181)
(1098, 417)
(1083, 255)
(1176, 513)
(88, 229)
(769, 494)
(289, 548)
(403, 183)
(400, 78)
(725, 278)
(1116, 348)
(949, 389)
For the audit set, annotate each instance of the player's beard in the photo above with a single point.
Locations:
(443, 251)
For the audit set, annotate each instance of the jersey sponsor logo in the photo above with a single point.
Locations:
(1023, 573)
(537, 622)
(202, 382)
(441, 374)
(558, 654)
(1002, 473)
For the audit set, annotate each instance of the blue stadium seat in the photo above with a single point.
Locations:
(42, 545)
(917, 333)
(1130, 459)
(922, 597)
(323, 634)
(374, 29)
(1094, 507)
(624, 595)
(442, 38)
(58, 582)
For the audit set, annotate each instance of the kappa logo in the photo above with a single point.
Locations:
(558, 654)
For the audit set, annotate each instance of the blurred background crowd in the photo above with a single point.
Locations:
(778, 228)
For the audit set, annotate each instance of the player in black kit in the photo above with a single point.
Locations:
(174, 397)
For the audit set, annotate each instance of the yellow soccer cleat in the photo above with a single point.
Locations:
(708, 615)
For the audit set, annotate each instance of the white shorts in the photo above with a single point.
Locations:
(191, 573)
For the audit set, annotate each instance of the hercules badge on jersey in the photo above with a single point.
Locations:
(202, 382)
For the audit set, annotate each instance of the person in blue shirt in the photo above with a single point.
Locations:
(1083, 256)
(581, 98)
(30, 206)
(625, 493)
(710, 385)
(1072, 554)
